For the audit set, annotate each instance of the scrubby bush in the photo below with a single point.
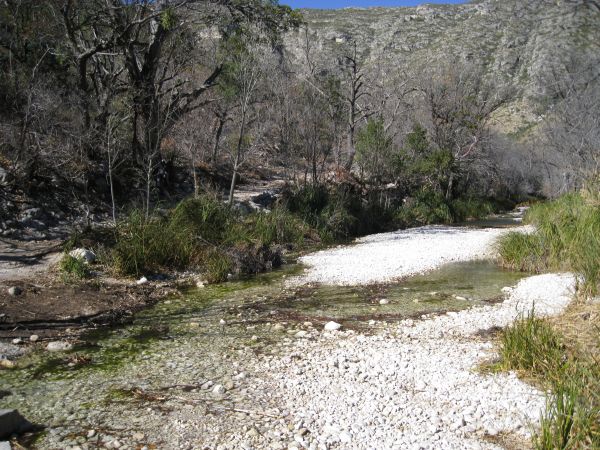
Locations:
(73, 269)
(426, 207)
(473, 208)
(338, 212)
(277, 227)
(205, 234)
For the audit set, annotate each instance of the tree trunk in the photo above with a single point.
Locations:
(350, 149)
(112, 190)
(219, 131)
(449, 187)
(238, 153)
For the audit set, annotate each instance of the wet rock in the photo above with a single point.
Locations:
(384, 301)
(17, 341)
(34, 338)
(206, 386)
(265, 199)
(332, 326)
(141, 281)
(83, 254)
(138, 436)
(58, 346)
(219, 389)
(12, 422)
(14, 291)
(10, 351)
(7, 364)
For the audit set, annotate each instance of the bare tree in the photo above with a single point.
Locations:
(243, 74)
(354, 77)
(460, 104)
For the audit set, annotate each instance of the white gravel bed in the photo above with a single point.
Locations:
(413, 384)
(388, 256)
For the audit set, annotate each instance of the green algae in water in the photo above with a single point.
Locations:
(109, 349)
(125, 357)
(453, 287)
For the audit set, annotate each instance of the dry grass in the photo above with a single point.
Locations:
(580, 326)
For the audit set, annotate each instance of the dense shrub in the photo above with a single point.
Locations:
(338, 212)
(475, 208)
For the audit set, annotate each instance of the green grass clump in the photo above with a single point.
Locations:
(73, 269)
(431, 207)
(277, 227)
(216, 265)
(571, 419)
(531, 345)
(203, 234)
(338, 212)
(567, 237)
(522, 251)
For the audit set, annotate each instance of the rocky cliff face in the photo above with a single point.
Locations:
(532, 45)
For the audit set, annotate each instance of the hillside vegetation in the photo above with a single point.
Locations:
(372, 119)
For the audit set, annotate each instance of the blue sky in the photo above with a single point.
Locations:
(328, 4)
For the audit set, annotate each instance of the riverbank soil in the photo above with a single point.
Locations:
(35, 300)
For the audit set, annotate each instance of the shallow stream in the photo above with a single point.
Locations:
(183, 343)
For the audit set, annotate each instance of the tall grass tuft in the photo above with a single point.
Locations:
(531, 345)
(572, 415)
(567, 237)
(204, 234)
(277, 227)
(522, 251)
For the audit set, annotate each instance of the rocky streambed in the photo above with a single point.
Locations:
(248, 364)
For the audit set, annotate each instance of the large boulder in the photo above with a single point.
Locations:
(265, 199)
(83, 254)
(12, 422)
(59, 346)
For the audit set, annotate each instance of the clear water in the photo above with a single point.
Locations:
(183, 339)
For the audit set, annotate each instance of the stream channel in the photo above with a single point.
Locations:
(128, 383)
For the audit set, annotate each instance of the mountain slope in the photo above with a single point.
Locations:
(535, 46)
